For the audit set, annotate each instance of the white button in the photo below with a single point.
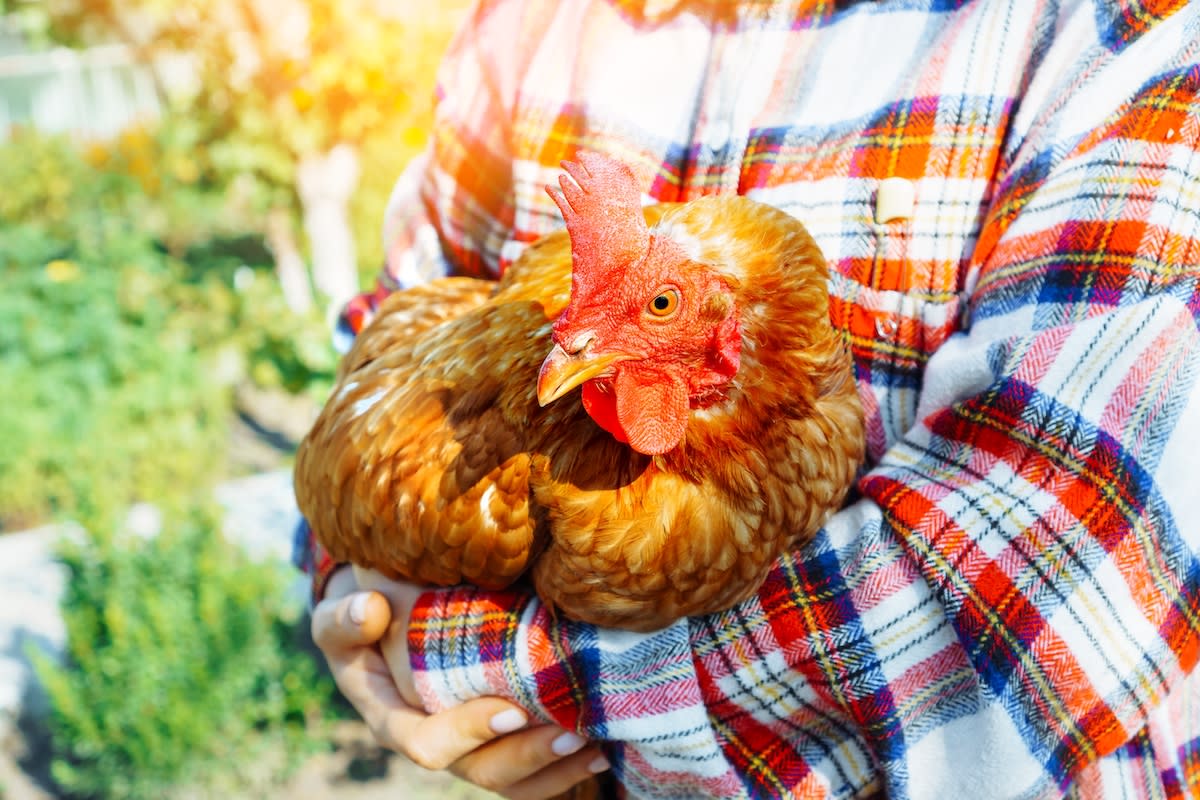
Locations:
(894, 200)
(886, 327)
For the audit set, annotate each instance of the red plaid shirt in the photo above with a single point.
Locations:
(1011, 609)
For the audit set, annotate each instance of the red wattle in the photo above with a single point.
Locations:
(601, 406)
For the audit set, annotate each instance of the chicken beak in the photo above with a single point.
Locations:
(562, 371)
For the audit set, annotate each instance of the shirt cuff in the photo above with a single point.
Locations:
(461, 645)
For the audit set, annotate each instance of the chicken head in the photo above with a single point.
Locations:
(648, 332)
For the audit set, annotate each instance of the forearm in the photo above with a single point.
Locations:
(804, 685)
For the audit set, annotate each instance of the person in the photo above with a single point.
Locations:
(1008, 195)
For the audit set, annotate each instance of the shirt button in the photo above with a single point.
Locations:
(886, 327)
(894, 199)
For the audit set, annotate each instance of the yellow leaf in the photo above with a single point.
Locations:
(61, 270)
(301, 99)
(414, 137)
(185, 170)
(96, 154)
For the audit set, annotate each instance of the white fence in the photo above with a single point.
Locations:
(92, 93)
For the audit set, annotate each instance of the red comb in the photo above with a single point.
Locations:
(602, 204)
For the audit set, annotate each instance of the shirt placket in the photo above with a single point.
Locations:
(736, 86)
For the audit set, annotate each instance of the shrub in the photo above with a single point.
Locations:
(182, 670)
(120, 336)
(105, 394)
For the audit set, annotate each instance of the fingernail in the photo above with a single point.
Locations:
(508, 721)
(358, 608)
(598, 764)
(567, 743)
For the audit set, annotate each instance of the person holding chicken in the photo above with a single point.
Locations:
(1008, 198)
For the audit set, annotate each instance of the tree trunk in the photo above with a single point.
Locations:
(326, 182)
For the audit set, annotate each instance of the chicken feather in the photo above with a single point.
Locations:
(433, 460)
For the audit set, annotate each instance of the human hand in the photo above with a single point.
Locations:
(487, 741)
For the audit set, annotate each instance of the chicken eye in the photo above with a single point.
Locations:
(664, 304)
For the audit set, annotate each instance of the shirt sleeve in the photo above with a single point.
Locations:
(1018, 587)
(451, 211)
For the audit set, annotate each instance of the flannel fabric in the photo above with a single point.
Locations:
(1012, 607)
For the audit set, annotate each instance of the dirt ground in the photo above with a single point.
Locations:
(358, 770)
(355, 770)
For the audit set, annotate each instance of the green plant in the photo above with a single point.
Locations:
(104, 396)
(122, 333)
(275, 91)
(182, 670)
(267, 94)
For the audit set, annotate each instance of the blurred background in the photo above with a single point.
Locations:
(188, 190)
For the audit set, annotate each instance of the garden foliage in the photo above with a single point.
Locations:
(137, 295)
(128, 313)
(132, 305)
(182, 672)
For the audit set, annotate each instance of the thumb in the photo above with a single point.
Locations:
(356, 620)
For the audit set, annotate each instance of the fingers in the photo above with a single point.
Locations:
(543, 761)
(559, 778)
(437, 741)
(353, 621)
(487, 741)
(393, 646)
(401, 596)
(347, 629)
(347, 626)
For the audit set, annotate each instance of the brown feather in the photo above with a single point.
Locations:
(433, 461)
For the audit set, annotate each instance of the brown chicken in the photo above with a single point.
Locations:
(717, 426)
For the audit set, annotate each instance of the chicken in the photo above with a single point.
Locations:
(717, 426)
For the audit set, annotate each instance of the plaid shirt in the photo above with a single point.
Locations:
(1012, 607)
